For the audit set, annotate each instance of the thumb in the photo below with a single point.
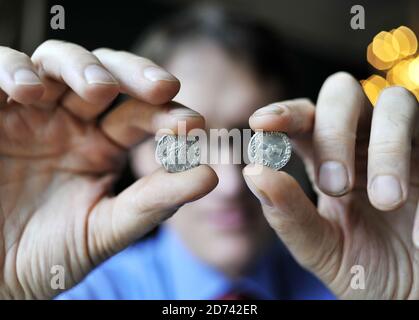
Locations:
(313, 240)
(116, 222)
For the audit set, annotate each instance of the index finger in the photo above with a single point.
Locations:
(293, 117)
(78, 69)
(18, 77)
(133, 120)
(139, 77)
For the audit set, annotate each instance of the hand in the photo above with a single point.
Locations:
(362, 161)
(58, 161)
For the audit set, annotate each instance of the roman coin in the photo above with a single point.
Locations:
(271, 149)
(178, 153)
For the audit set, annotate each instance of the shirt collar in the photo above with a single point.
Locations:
(194, 279)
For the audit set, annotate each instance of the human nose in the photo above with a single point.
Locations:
(230, 180)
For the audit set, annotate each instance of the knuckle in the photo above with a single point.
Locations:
(281, 225)
(8, 55)
(342, 77)
(285, 106)
(332, 136)
(51, 43)
(122, 56)
(396, 115)
(73, 49)
(398, 106)
(306, 102)
(132, 57)
(141, 61)
(102, 50)
(341, 85)
(102, 54)
(401, 120)
(388, 148)
(333, 144)
(57, 47)
(160, 93)
(395, 91)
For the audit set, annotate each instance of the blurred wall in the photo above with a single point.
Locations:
(317, 32)
(323, 26)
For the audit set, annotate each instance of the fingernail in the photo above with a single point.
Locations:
(386, 190)
(158, 74)
(263, 198)
(26, 77)
(95, 74)
(270, 109)
(333, 177)
(184, 112)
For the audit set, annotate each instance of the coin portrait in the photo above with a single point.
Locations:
(178, 153)
(271, 149)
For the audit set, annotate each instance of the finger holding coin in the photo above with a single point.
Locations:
(178, 153)
(270, 148)
(293, 118)
(133, 121)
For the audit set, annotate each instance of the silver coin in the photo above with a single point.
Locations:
(271, 149)
(178, 153)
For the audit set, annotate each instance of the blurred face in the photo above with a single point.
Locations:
(226, 228)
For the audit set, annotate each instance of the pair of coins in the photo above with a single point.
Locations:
(180, 153)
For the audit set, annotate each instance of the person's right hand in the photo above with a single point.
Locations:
(58, 161)
(361, 161)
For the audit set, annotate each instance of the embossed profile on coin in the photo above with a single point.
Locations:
(271, 149)
(178, 153)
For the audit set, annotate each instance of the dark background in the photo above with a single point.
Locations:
(317, 33)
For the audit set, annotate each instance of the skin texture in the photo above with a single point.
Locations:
(349, 226)
(58, 162)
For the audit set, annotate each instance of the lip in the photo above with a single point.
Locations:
(232, 218)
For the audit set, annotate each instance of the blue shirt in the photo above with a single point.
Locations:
(161, 267)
